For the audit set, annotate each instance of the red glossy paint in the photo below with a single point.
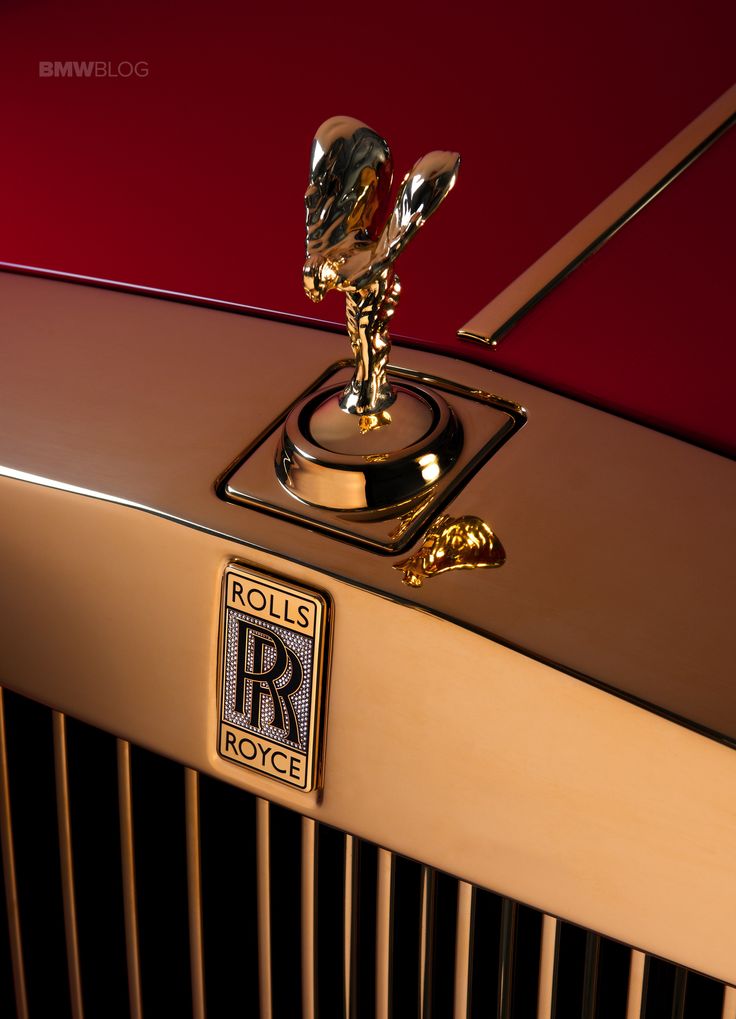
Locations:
(191, 178)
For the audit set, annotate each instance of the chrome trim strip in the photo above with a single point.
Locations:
(194, 889)
(9, 875)
(464, 949)
(66, 859)
(130, 905)
(635, 996)
(384, 932)
(263, 870)
(490, 325)
(547, 958)
(309, 918)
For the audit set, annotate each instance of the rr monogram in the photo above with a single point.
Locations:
(264, 679)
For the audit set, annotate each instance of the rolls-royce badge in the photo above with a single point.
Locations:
(272, 675)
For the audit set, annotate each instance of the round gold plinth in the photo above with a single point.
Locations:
(342, 461)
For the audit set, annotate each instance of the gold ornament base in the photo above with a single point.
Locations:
(339, 461)
(316, 440)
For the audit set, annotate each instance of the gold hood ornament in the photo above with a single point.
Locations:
(352, 247)
(453, 543)
(367, 445)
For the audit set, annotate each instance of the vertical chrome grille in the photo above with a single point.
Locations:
(134, 886)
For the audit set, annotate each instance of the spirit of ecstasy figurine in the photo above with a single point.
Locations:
(352, 247)
(372, 452)
(368, 446)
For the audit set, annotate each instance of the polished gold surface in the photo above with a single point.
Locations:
(492, 323)
(67, 865)
(378, 499)
(373, 435)
(355, 469)
(351, 247)
(370, 422)
(453, 543)
(342, 449)
(194, 892)
(550, 810)
(548, 491)
(9, 877)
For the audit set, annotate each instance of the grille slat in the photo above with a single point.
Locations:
(545, 1000)
(222, 883)
(160, 845)
(509, 921)
(35, 838)
(67, 865)
(330, 909)
(309, 918)
(384, 932)
(729, 1003)
(678, 1002)
(426, 945)
(229, 897)
(464, 949)
(263, 871)
(91, 779)
(130, 907)
(7, 996)
(9, 876)
(590, 975)
(703, 995)
(636, 985)
(351, 888)
(194, 887)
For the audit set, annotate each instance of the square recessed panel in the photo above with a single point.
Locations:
(487, 421)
